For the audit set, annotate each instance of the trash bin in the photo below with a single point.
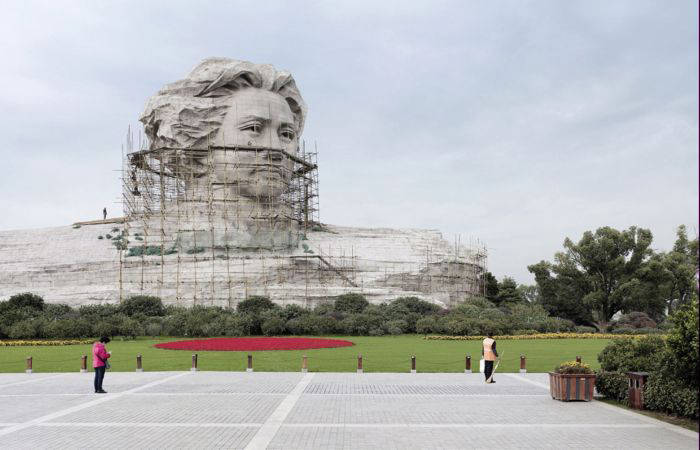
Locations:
(635, 391)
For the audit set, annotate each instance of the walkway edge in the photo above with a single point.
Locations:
(273, 423)
(642, 417)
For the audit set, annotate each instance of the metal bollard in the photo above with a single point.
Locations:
(304, 367)
(194, 363)
(359, 363)
(29, 364)
(578, 359)
(83, 364)
(413, 364)
(250, 363)
(139, 366)
(468, 364)
(522, 364)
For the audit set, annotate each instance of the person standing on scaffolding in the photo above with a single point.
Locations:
(488, 351)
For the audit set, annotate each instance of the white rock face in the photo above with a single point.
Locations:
(73, 266)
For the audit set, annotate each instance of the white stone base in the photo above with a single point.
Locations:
(28, 371)
(83, 370)
(359, 370)
(523, 370)
(139, 370)
(467, 371)
(249, 370)
(413, 370)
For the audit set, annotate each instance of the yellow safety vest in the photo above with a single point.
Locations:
(489, 355)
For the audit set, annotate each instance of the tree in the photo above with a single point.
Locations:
(681, 265)
(561, 293)
(491, 286)
(530, 293)
(508, 292)
(604, 272)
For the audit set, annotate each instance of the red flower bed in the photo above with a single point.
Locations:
(254, 344)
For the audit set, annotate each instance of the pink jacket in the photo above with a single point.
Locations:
(99, 351)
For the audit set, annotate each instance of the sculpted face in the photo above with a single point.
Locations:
(259, 120)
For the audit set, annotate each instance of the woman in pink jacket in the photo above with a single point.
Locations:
(99, 363)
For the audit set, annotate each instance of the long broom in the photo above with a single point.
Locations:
(488, 380)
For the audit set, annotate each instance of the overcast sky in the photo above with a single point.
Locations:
(516, 123)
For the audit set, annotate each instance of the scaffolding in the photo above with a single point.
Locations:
(216, 224)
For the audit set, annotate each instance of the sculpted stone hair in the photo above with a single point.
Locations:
(189, 112)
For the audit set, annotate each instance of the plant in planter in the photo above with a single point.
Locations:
(572, 380)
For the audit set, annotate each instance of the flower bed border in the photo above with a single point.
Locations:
(35, 343)
(542, 336)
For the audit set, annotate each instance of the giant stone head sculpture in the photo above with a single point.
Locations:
(230, 132)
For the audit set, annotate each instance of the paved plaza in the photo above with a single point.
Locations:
(313, 410)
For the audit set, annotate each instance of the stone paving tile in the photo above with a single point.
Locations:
(11, 378)
(420, 389)
(231, 382)
(24, 408)
(82, 383)
(444, 410)
(532, 437)
(120, 437)
(203, 408)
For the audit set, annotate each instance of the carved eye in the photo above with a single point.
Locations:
(287, 134)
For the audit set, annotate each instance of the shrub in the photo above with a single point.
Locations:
(351, 303)
(356, 325)
(240, 325)
(97, 311)
(416, 305)
(106, 328)
(273, 326)
(59, 311)
(635, 319)
(683, 344)
(214, 328)
(154, 329)
(26, 300)
(130, 328)
(142, 304)
(426, 325)
(612, 385)
(585, 329)
(669, 395)
(573, 367)
(255, 304)
(376, 332)
(68, 328)
(524, 332)
(632, 355)
(24, 329)
(395, 327)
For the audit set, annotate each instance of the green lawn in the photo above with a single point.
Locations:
(379, 354)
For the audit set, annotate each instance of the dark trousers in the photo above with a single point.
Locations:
(99, 376)
(488, 369)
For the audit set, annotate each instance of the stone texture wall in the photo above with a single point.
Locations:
(71, 265)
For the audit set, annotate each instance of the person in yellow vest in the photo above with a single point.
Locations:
(488, 350)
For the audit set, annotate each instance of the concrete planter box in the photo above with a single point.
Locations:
(568, 387)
